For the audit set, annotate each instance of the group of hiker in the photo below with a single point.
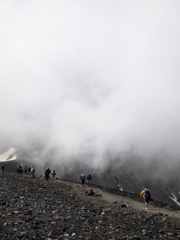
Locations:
(47, 174)
(146, 193)
(25, 169)
(84, 177)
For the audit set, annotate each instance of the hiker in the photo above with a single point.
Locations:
(19, 169)
(3, 168)
(53, 174)
(82, 177)
(33, 172)
(88, 177)
(147, 195)
(29, 169)
(25, 169)
(46, 173)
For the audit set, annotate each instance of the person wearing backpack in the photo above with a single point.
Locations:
(88, 177)
(46, 174)
(82, 177)
(53, 174)
(147, 195)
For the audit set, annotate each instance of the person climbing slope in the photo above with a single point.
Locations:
(147, 195)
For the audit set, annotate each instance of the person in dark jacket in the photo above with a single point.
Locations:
(88, 178)
(46, 174)
(53, 174)
(3, 168)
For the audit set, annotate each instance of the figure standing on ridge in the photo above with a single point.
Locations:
(33, 172)
(19, 169)
(29, 169)
(3, 168)
(147, 195)
(46, 173)
(82, 177)
(53, 174)
(25, 169)
(88, 177)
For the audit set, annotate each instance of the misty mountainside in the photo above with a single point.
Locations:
(132, 178)
(129, 176)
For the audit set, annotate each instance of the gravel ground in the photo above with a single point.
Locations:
(32, 208)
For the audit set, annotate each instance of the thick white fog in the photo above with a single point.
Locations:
(81, 77)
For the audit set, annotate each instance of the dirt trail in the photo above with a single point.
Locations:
(111, 199)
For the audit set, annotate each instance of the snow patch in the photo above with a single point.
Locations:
(5, 156)
(120, 188)
(174, 198)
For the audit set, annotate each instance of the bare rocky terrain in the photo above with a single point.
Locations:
(32, 208)
(129, 177)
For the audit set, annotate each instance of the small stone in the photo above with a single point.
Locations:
(17, 212)
(66, 234)
(22, 234)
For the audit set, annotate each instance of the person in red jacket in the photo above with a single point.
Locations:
(147, 195)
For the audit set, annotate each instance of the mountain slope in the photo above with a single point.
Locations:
(32, 208)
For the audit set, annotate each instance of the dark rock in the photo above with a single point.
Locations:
(29, 212)
(123, 205)
(91, 192)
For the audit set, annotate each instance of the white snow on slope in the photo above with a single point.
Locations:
(4, 156)
(174, 198)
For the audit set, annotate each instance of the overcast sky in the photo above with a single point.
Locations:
(91, 76)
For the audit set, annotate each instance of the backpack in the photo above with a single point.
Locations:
(146, 193)
(82, 176)
(89, 177)
(47, 171)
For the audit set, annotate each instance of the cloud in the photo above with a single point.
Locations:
(90, 77)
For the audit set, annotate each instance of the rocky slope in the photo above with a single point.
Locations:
(129, 176)
(32, 208)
